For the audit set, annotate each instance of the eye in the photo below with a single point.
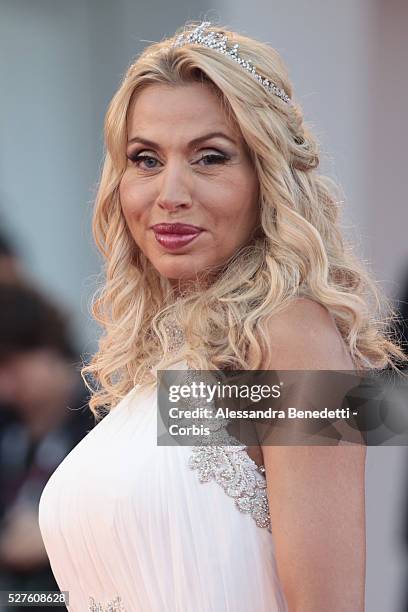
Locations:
(213, 158)
(137, 159)
(151, 163)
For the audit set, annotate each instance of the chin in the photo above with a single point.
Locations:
(179, 270)
(175, 273)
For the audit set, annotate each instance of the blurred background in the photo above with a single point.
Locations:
(60, 63)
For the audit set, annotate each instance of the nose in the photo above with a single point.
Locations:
(175, 188)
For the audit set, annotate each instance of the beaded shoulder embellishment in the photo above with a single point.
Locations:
(221, 457)
(239, 476)
(114, 605)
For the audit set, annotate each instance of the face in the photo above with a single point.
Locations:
(186, 165)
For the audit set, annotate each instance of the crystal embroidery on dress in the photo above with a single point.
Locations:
(221, 457)
(114, 605)
(237, 473)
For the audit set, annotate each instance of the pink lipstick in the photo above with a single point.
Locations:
(175, 235)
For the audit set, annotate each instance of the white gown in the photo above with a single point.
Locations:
(135, 527)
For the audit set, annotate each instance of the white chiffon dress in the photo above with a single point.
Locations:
(135, 527)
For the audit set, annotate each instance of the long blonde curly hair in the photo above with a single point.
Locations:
(299, 250)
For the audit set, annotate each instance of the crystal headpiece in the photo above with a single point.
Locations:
(202, 35)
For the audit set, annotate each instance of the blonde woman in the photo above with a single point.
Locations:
(223, 250)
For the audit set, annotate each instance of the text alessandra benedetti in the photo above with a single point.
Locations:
(269, 413)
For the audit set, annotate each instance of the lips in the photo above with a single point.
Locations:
(176, 228)
(175, 235)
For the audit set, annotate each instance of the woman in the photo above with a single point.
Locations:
(223, 251)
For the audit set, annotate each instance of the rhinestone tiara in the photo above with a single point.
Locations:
(202, 35)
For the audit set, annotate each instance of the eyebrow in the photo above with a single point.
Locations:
(194, 142)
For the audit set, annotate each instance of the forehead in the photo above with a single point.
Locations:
(184, 108)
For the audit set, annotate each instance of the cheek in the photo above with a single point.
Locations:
(135, 197)
(129, 197)
(249, 200)
(134, 201)
(238, 201)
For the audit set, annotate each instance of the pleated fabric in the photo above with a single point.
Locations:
(129, 527)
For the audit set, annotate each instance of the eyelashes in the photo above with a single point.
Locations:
(211, 159)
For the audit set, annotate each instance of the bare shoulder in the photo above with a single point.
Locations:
(304, 336)
(316, 494)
